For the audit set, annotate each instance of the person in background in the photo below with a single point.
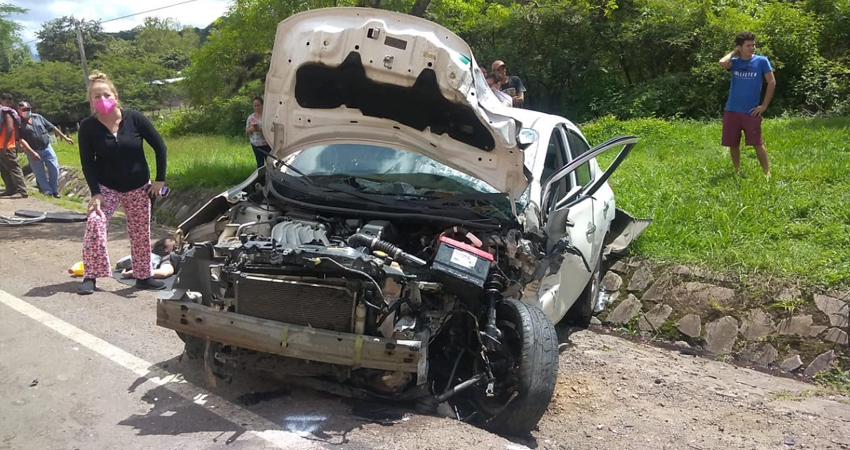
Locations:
(744, 107)
(511, 85)
(10, 145)
(254, 128)
(495, 81)
(35, 131)
(116, 171)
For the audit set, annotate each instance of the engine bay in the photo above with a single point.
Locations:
(439, 301)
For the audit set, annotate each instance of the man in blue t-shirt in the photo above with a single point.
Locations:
(743, 108)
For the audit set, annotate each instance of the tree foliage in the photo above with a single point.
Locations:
(56, 87)
(58, 40)
(587, 58)
(579, 58)
(13, 52)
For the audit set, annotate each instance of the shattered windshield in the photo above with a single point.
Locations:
(385, 170)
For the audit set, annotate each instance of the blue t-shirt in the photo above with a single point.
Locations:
(747, 77)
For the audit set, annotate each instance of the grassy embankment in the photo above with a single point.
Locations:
(795, 226)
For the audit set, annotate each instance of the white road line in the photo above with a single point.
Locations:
(256, 424)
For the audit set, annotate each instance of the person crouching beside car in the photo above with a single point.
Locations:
(115, 168)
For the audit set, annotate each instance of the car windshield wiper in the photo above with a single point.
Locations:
(279, 162)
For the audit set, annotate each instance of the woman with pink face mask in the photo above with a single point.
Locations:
(116, 171)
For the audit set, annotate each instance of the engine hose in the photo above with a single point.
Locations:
(362, 274)
(360, 239)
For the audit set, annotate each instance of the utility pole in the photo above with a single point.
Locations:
(82, 56)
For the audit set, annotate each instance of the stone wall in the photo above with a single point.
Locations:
(785, 327)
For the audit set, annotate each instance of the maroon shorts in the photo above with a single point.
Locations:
(734, 123)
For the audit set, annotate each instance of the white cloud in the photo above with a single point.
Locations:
(198, 13)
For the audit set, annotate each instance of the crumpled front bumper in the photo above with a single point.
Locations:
(290, 340)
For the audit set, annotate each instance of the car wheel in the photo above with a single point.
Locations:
(582, 309)
(529, 370)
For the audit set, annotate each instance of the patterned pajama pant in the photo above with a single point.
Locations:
(137, 207)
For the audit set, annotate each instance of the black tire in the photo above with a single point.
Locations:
(537, 364)
(582, 309)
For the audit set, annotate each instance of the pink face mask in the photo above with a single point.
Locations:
(104, 105)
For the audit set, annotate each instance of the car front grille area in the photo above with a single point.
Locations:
(320, 306)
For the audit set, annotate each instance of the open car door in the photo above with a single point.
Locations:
(571, 228)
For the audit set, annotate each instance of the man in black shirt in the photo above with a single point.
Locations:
(512, 85)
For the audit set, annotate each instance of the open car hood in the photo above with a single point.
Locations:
(357, 75)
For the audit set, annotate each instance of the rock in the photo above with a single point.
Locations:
(721, 334)
(595, 321)
(619, 267)
(789, 441)
(658, 289)
(654, 318)
(611, 282)
(788, 294)
(702, 293)
(682, 344)
(684, 271)
(822, 362)
(836, 335)
(625, 311)
(761, 354)
(641, 279)
(837, 310)
(798, 325)
(792, 363)
(756, 324)
(815, 330)
(690, 326)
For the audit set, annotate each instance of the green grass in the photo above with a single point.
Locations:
(193, 161)
(797, 225)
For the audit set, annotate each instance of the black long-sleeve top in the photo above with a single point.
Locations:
(118, 161)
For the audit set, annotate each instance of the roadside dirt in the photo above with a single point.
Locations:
(611, 393)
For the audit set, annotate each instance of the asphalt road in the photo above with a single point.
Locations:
(95, 372)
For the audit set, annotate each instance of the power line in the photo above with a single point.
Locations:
(148, 11)
(134, 14)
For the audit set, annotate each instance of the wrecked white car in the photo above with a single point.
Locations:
(410, 237)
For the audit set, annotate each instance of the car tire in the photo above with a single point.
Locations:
(537, 357)
(582, 310)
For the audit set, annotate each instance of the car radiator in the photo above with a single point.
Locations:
(316, 305)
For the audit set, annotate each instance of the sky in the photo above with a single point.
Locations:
(198, 13)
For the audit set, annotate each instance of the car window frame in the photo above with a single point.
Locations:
(626, 142)
(561, 160)
(574, 176)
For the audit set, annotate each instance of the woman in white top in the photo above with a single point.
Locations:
(254, 129)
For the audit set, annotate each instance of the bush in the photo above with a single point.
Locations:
(223, 116)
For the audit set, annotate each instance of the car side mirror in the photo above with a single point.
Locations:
(525, 137)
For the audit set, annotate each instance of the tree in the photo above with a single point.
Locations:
(13, 52)
(166, 41)
(59, 41)
(56, 87)
(138, 80)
